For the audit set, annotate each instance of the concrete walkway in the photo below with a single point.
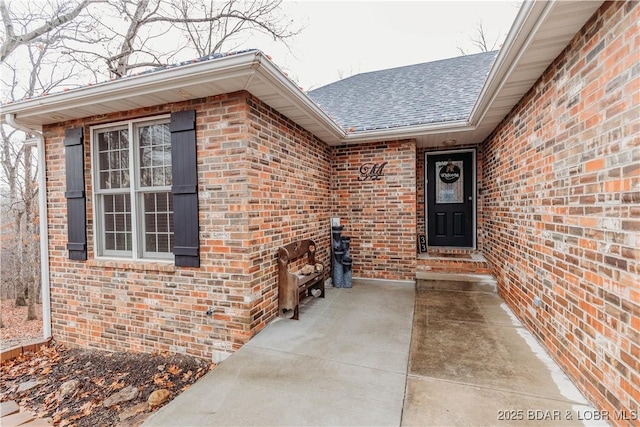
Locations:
(473, 363)
(343, 363)
(346, 362)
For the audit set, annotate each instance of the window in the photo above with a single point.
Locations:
(132, 181)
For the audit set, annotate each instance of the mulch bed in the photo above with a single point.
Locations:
(100, 374)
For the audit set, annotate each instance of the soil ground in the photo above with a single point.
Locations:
(99, 374)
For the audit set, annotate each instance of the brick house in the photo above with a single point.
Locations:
(168, 193)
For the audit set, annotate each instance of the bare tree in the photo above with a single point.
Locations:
(50, 43)
(202, 27)
(343, 74)
(20, 267)
(12, 214)
(127, 35)
(20, 251)
(481, 40)
(225, 22)
(31, 252)
(31, 65)
(41, 23)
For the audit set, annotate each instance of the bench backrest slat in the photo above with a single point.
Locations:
(297, 249)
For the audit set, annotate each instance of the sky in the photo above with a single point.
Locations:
(343, 38)
(338, 39)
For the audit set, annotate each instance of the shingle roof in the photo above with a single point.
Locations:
(431, 92)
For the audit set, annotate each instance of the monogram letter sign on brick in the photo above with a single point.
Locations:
(372, 171)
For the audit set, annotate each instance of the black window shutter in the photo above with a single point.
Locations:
(186, 246)
(75, 194)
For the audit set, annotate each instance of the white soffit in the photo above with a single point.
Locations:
(540, 32)
(156, 88)
(249, 71)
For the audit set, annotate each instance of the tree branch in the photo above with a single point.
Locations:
(12, 41)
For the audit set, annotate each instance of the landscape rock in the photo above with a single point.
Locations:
(158, 397)
(126, 394)
(28, 385)
(68, 388)
(133, 411)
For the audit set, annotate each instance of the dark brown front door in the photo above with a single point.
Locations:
(450, 205)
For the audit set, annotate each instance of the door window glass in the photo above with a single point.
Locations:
(449, 182)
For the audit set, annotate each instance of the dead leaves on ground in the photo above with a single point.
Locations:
(99, 375)
(17, 330)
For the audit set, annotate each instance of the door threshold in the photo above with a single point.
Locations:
(450, 248)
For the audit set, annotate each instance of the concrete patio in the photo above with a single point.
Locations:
(361, 357)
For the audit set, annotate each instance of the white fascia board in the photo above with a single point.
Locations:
(408, 132)
(244, 65)
(527, 27)
(297, 97)
(172, 77)
(524, 28)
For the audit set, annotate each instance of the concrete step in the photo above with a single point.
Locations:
(456, 282)
(17, 419)
(457, 263)
(12, 417)
(9, 407)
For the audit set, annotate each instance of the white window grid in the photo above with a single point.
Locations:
(131, 242)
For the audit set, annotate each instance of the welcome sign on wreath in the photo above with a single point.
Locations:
(449, 173)
(449, 186)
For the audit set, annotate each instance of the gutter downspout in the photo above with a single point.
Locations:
(44, 230)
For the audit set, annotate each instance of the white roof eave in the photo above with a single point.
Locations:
(241, 69)
(526, 38)
(407, 132)
(170, 78)
(253, 72)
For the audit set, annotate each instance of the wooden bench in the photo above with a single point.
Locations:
(292, 284)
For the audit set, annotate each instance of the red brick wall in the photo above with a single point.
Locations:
(562, 203)
(289, 178)
(144, 306)
(379, 215)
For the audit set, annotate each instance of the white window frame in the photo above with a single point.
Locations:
(135, 191)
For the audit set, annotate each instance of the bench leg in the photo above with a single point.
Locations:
(287, 314)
